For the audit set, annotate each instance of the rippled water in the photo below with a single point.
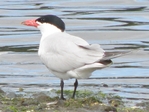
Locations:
(117, 25)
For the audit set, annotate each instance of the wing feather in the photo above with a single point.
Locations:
(62, 52)
(111, 55)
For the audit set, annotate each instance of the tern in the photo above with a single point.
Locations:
(67, 56)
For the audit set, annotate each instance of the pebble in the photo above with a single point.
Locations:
(10, 95)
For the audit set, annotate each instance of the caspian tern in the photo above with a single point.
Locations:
(65, 55)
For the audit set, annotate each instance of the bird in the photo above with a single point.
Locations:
(65, 55)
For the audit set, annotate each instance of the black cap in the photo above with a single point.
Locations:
(52, 19)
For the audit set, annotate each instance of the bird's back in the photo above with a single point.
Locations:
(62, 52)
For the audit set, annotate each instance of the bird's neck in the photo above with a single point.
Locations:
(48, 29)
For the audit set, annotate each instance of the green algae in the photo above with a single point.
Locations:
(85, 101)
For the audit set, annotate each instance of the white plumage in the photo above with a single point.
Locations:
(65, 55)
(69, 56)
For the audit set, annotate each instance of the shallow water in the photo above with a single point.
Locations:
(117, 25)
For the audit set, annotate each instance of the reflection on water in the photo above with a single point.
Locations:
(117, 26)
(20, 48)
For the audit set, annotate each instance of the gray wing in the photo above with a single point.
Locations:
(106, 60)
(111, 55)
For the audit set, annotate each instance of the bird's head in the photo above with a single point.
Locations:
(47, 24)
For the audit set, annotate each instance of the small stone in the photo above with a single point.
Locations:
(1, 91)
(110, 109)
(41, 97)
(105, 85)
(115, 102)
(21, 89)
(11, 95)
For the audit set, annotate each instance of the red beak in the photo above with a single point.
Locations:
(30, 23)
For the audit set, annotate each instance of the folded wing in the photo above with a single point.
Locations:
(63, 52)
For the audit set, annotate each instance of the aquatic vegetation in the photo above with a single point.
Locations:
(86, 101)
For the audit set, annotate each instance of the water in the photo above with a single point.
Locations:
(115, 24)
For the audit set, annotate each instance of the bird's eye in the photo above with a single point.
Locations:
(41, 20)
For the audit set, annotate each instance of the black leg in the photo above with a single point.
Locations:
(62, 86)
(75, 88)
